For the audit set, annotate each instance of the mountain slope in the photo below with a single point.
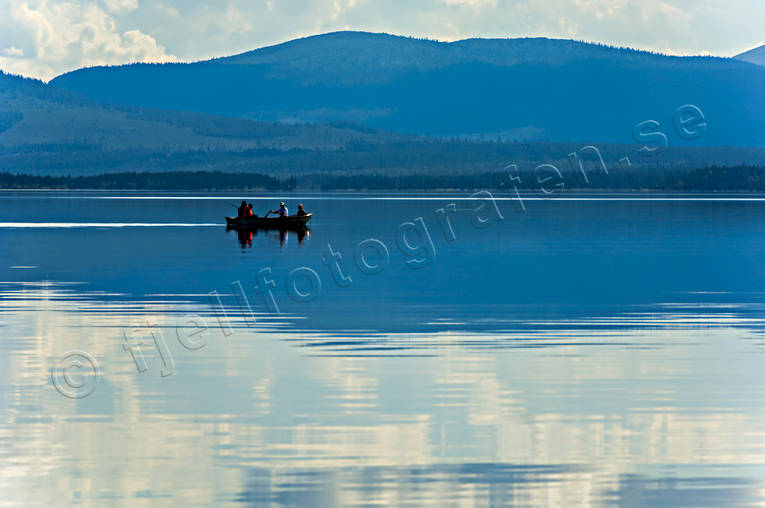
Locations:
(523, 89)
(47, 131)
(755, 56)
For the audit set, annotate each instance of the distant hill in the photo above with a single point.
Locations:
(519, 89)
(362, 58)
(45, 130)
(38, 113)
(755, 56)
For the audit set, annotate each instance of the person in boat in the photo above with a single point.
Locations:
(243, 209)
(282, 211)
(250, 213)
(301, 211)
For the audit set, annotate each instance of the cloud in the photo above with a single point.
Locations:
(235, 22)
(339, 7)
(13, 51)
(167, 10)
(472, 4)
(60, 36)
(120, 5)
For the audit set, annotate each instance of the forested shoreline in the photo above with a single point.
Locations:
(708, 179)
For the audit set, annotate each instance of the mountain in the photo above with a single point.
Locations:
(755, 56)
(45, 130)
(32, 113)
(358, 58)
(519, 89)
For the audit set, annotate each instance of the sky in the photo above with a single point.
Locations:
(44, 38)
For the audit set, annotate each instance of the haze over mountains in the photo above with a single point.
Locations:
(520, 89)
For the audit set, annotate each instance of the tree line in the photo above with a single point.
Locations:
(710, 179)
(181, 180)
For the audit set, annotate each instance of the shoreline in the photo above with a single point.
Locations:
(446, 191)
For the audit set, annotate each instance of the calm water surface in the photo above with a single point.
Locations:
(589, 351)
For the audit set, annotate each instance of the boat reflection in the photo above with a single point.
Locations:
(246, 236)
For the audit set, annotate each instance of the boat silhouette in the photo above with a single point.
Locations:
(293, 222)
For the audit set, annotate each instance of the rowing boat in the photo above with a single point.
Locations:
(289, 222)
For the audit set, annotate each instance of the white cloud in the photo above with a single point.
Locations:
(167, 9)
(61, 36)
(473, 4)
(13, 51)
(341, 6)
(121, 5)
(235, 22)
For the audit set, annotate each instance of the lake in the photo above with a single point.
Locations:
(443, 349)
